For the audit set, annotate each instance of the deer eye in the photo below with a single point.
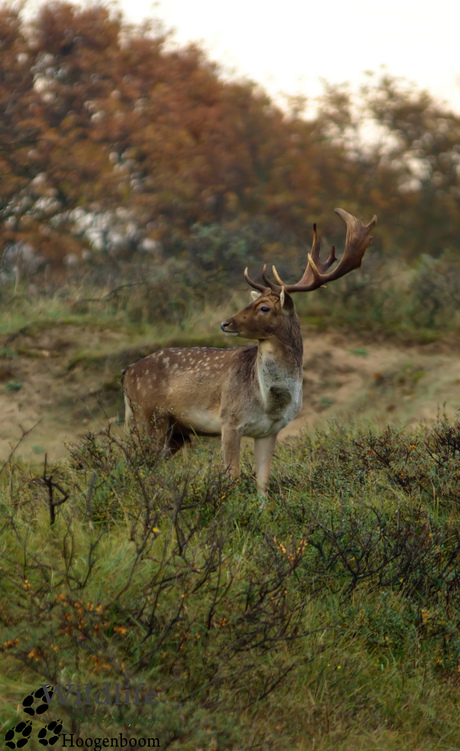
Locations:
(265, 309)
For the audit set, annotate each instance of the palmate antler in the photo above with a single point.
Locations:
(357, 240)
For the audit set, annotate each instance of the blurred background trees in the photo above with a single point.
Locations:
(114, 143)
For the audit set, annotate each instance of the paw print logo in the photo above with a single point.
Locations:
(38, 695)
(49, 735)
(18, 736)
(34, 704)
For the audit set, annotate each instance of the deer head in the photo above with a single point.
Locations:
(263, 318)
(272, 312)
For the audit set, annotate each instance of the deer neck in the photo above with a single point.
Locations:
(286, 347)
(279, 361)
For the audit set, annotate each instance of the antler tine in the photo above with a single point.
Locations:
(259, 287)
(357, 241)
(323, 266)
(315, 266)
(269, 283)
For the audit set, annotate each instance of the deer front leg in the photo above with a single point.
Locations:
(263, 451)
(231, 439)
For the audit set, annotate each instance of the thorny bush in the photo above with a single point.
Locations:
(169, 574)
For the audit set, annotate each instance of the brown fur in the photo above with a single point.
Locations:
(177, 392)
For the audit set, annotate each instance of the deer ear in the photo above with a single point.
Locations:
(287, 303)
(254, 295)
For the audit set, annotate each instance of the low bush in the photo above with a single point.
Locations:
(326, 616)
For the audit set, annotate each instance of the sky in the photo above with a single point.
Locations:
(288, 46)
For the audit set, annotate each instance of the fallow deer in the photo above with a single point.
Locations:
(245, 391)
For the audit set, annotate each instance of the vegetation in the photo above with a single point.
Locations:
(132, 167)
(137, 184)
(115, 145)
(176, 300)
(327, 619)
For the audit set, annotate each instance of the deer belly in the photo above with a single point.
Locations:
(201, 421)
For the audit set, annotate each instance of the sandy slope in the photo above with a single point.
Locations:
(69, 386)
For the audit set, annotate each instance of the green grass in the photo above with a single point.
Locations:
(326, 619)
(101, 326)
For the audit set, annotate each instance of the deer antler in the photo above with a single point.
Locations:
(358, 239)
(261, 287)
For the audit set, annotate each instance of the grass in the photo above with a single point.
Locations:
(135, 318)
(327, 619)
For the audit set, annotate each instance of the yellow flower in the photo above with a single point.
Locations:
(425, 615)
(10, 643)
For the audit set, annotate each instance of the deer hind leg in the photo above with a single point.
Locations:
(129, 415)
(231, 440)
(166, 435)
(263, 451)
(155, 427)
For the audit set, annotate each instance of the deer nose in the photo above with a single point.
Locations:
(225, 326)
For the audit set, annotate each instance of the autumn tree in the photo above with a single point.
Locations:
(401, 158)
(114, 141)
(114, 138)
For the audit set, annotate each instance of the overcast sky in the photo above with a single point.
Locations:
(289, 46)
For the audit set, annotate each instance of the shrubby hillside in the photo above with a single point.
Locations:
(137, 183)
(326, 619)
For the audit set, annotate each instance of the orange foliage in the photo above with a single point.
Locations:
(106, 124)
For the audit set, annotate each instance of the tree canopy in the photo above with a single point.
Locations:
(113, 141)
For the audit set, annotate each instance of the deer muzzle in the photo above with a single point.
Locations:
(225, 327)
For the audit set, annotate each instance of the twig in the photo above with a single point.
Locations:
(50, 484)
(88, 500)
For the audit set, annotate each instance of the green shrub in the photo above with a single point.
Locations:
(120, 567)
